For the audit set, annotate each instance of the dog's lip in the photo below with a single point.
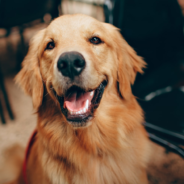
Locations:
(80, 119)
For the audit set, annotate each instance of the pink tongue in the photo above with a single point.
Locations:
(77, 101)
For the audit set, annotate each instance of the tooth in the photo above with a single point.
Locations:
(92, 92)
(87, 103)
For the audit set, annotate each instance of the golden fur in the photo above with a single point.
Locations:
(113, 148)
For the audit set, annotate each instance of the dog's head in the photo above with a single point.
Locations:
(77, 60)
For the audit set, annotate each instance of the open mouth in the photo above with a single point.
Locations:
(78, 105)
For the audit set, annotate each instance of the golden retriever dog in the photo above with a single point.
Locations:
(79, 72)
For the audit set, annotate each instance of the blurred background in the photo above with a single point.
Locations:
(153, 28)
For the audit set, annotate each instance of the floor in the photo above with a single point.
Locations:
(15, 131)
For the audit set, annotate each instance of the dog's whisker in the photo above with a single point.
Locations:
(56, 99)
(46, 94)
(52, 89)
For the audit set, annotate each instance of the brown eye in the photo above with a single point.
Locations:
(95, 40)
(50, 46)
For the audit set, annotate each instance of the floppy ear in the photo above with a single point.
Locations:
(29, 78)
(129, 63)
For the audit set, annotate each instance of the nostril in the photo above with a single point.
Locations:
(62, 65)
(79, 63)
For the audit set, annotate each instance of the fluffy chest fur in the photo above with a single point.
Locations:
(100, 170)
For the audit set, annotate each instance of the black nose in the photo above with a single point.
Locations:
(71, 64)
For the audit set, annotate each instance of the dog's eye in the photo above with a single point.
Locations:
(95, 40)
(50, 46)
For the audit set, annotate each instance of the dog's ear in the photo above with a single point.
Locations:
(129, 63)
(29, 78)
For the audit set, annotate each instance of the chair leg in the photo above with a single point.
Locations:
(9, 44)
(1, 114)
(2, 87)
(21, 51)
